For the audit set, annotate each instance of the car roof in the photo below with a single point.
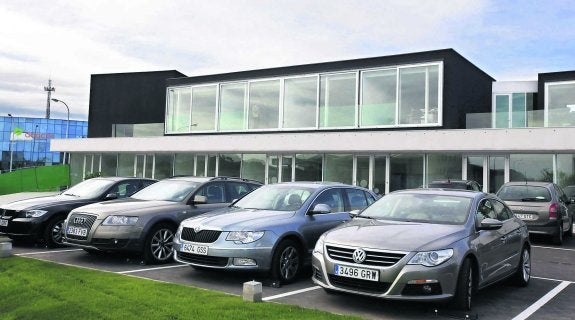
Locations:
(454, 181)
(528, 183)
(115, 178)
(446, 192)
(315, 184)
(206, 179)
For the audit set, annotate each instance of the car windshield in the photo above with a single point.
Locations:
(416, 207)
(524, 193)
(91, 188)
(275, 197)
(167, 190)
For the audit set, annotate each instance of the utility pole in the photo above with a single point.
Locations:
(49, 89)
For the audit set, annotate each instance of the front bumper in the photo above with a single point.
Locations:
(108, 238)
(399, 281)
(23, 228)
(223, 254)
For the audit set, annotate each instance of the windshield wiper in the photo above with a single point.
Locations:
(366, 217)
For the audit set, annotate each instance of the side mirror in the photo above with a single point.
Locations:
(321, 208)
(200, 199)
(490, 224)
(354, 213)
(111, 196)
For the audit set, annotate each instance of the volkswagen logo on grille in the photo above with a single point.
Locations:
(79, 220)
(358, 256)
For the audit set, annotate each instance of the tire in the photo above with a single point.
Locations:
(558, 237)
(465, 287)
(53, 233)
(569, 232)
(287, 261)
(159, 244)
(523, 273)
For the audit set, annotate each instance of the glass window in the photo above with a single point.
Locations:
(201, 166)
(229, 165)
(264, 104)
(126, 164)
(163, 167)
(501, 212)
(379, 174)
(406, 171)
(444, 166)
(338, 168)
(286, 169)
(378, 97)
(184, 164)
(76, 168)
(203, 108)
(109, 164)
(356, 199)
(531, 167)
(236, 190)
(254, 166)
(412, 95)
(308, 167)
(433, 94)
(362, 171)
(214, 192)
(212, 164)
(566, 170)
(300, 102)
(518, 110)
(475, 169)
(273, 169)
(337, 100)
(232, 106)
(560, 104)
(179, 108)
(333, 198)
(496, 173)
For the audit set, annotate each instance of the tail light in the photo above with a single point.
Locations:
(553, 211)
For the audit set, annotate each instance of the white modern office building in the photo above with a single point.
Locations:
(386, 123)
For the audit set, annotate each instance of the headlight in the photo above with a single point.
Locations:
(245, 236)
(34, 213)
(431, 258)
(120, 221)
(319, 245)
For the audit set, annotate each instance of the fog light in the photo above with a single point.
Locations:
(422, 281)
(244, 262)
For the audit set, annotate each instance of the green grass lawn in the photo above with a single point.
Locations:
(33, 289)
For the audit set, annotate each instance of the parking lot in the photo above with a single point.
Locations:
(548, 296)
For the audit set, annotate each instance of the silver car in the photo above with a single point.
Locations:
(425, 245)
(273, 229)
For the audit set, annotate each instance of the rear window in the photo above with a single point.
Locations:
(524, 193)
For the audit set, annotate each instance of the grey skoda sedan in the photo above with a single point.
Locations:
(425, 245)
(273, 229)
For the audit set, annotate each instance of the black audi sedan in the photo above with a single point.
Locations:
(40, 219)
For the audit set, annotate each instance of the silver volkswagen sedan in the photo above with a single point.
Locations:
(425, 245)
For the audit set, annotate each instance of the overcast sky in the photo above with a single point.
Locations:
(68, 41)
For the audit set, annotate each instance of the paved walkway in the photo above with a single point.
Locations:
(7, 198)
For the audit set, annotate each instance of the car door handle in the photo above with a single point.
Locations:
(503, 239)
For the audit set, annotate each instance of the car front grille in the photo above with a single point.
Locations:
(81, 221)
(5, 213)
(203, 260)
(202, 236)
(359, 285)
(373, 258)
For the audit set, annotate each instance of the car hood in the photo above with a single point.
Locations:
(131, 207)
(395, 235)
(43, 202)
(238, 219)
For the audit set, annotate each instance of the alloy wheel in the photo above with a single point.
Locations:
(56, 232)
(289, 263)
(526, 267)
(162, 244)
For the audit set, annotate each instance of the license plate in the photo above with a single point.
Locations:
(192, 248)
(356, 273)
(75, 231)
(524, 216)
(3, 223)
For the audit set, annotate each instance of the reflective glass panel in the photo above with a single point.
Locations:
(163, 167)
(518, 107)
(178, 117)
(109, 164)
(412, 95)
(475, 169)
(308, 167)
(561, 104)
(201, 166)
(232, 106)
(126, 165)
(300, 102)
(378, 97)
(362, 171)
(254, 167)
(203, 108)
(566, 170)
(338, 168)
(379, 174)
(337, 100)
(229, 165)
(286, 169)
(444, 166)
(184, 164)
(273, 169)
(496, 173)
(502, 111)
(264, 104)
(531, 167)
(406, 171)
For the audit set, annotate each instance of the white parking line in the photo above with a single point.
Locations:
(291, 293)
(541, 302)
(564, 249)
(44, 252)
(152, 269)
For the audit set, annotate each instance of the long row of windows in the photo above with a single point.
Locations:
(381, 173)
(403, 96)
